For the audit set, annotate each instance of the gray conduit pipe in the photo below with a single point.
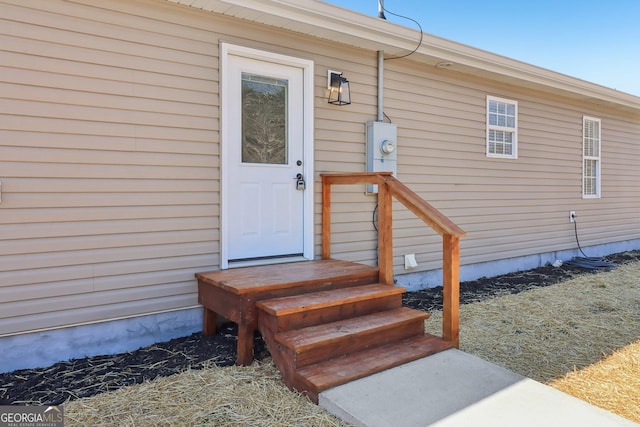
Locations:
(380, 86)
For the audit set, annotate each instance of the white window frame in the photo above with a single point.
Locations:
(510, 129)
(591, 157)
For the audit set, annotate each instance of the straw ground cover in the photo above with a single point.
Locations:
(612, 383)
(548, 332)
(600, 315)
(214, 396)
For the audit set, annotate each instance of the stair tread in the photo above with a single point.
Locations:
(302, 339)
(324, 375)
(297, 303)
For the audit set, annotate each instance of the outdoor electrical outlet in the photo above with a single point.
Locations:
(572, 216)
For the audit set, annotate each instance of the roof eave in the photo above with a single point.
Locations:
(368, 32)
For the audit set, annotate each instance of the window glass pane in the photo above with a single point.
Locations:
(502, 114)
(500, 142)
(508, 137)
(264, 119)
(589, 186)
(588, 147)
(590, 177)
(591, 138)
(589, 168)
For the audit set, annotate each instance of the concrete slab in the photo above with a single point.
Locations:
(453, 389)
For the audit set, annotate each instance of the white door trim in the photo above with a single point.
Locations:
(306, 65)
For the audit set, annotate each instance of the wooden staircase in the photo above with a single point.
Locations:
(320, 340)
(328, 322)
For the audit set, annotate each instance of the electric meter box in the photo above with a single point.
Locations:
(382, 152)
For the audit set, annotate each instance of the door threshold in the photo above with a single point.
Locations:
(265, 261)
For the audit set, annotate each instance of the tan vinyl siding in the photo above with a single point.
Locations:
(109, 158)
(509, 208)
(108, 161)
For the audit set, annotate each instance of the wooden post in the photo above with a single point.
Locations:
(209, 322)
(385, 234)
(326, 218)
(245, 345)
(451, 289)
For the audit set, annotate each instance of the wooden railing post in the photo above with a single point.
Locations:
(385, 234)
(451, 289)
(388, 188)
(326, 218)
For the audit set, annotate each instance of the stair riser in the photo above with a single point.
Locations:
(355, 342)
(251, 312)
(364, 279)
(331, 314)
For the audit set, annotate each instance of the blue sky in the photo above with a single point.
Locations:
(594, 40)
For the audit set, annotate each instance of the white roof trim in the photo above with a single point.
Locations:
(369, 32)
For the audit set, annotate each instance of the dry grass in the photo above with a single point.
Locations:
(233, 396)
(612, 383)
(544, 334)
(548, 332)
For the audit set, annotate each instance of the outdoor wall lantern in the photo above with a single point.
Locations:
(339, 93)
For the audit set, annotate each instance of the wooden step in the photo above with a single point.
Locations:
(300, 311)
(315, 378)
(233, 293)
(322, 342)
(308, 276)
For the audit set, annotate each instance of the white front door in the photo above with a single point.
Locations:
(265, 131)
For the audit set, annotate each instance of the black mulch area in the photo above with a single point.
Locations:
(93, 375)
(511, 283)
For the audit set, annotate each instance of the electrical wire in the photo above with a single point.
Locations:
(575, 229)
(374, 219)
(591, 263)
(419, 42)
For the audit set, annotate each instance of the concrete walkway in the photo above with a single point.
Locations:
(456, 389)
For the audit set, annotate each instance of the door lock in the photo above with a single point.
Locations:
(300, 184)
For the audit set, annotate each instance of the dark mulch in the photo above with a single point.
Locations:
(93, 375)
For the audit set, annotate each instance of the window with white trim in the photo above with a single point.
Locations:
(502, 128)
(590, 157)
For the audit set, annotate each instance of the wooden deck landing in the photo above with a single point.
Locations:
(233, 293)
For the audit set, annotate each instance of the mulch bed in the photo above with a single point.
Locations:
(93, 375)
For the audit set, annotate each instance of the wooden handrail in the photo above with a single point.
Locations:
(423, 210)
(389, 187)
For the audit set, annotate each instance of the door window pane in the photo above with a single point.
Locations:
(264, 119)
